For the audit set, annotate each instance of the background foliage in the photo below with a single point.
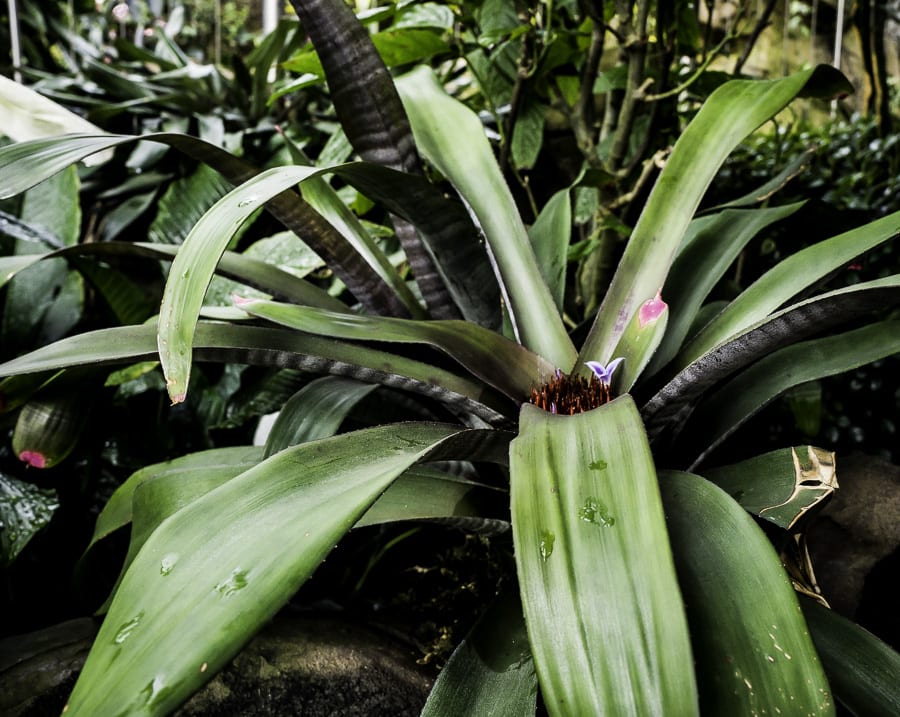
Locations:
(524, 69)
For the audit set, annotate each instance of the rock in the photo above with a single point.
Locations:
(299, 665)
(855, 533)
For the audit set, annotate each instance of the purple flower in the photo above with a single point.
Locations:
(604, 373)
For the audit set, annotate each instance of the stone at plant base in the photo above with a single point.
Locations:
(308, 666)
(859, 528)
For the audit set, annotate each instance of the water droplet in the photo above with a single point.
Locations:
(154, 690)
(770, 658)
(185, 274)
(167, 563)
(598, 465)
(546, 545)
(235, 582)
(247, 202)
(127, 628)
(593, 511)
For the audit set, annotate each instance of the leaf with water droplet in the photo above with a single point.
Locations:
(235, 582)
(593, 511)
(24, 510)
(167, 563)
(127, 628)
(546, 546)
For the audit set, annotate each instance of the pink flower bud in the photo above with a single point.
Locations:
(651, 310)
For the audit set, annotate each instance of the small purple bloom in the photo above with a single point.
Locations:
(604, 373)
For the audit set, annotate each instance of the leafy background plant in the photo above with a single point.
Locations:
(232, 397)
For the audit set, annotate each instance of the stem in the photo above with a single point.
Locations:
(761, 24)
(636, 49)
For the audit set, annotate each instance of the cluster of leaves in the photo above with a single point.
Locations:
(605, 535)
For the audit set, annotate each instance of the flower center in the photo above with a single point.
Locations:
(569, 395)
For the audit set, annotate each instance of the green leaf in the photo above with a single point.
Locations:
(781, 486)
(422, 493)
(441, 126)
(316, 411)
(786, 279)
(217, 569)
(240, 267)
(528, 134)
(550, 236)
(47, 304)
(733, 111)
(29, 115)
(26, 164)
(861, 668)
(270, 347)
(753, 652)
(193, 267)
(184, 202)
(498, 361)
(25, 509)
(715, 242)
(491, 671)
(446, 228)
(604, 614)
(718, 416)
(671, 405)
(403, 46)
(118, 512)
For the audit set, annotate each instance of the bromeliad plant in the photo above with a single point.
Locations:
(643, 590)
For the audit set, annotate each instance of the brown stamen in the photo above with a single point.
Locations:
(569, 395)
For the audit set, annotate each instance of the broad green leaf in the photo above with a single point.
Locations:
(270, 347)
(718, 416)
(528, 134)
(604, 613)
(861, 668)
(498, 361)
(184, 202)
(422, 493)
(667, 411)
(404, 46)
(446, 228)
(117, 513)
(781, 486)
(730, 113)
(491, 671)
(316, 411)
(318, 193)
(716, 241)
(753, 651)
(128, 301)
(209, 576)
(441, 126)
(26, 164)
(550, 236)
(29, 115)
(157, 496)
(371, 114)
(240, 267)
(52, 420)
(787, 279)
(794, 167)
(25, 509)
(193, 267)
(47, 304)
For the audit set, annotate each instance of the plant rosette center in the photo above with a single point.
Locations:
(567, 395)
